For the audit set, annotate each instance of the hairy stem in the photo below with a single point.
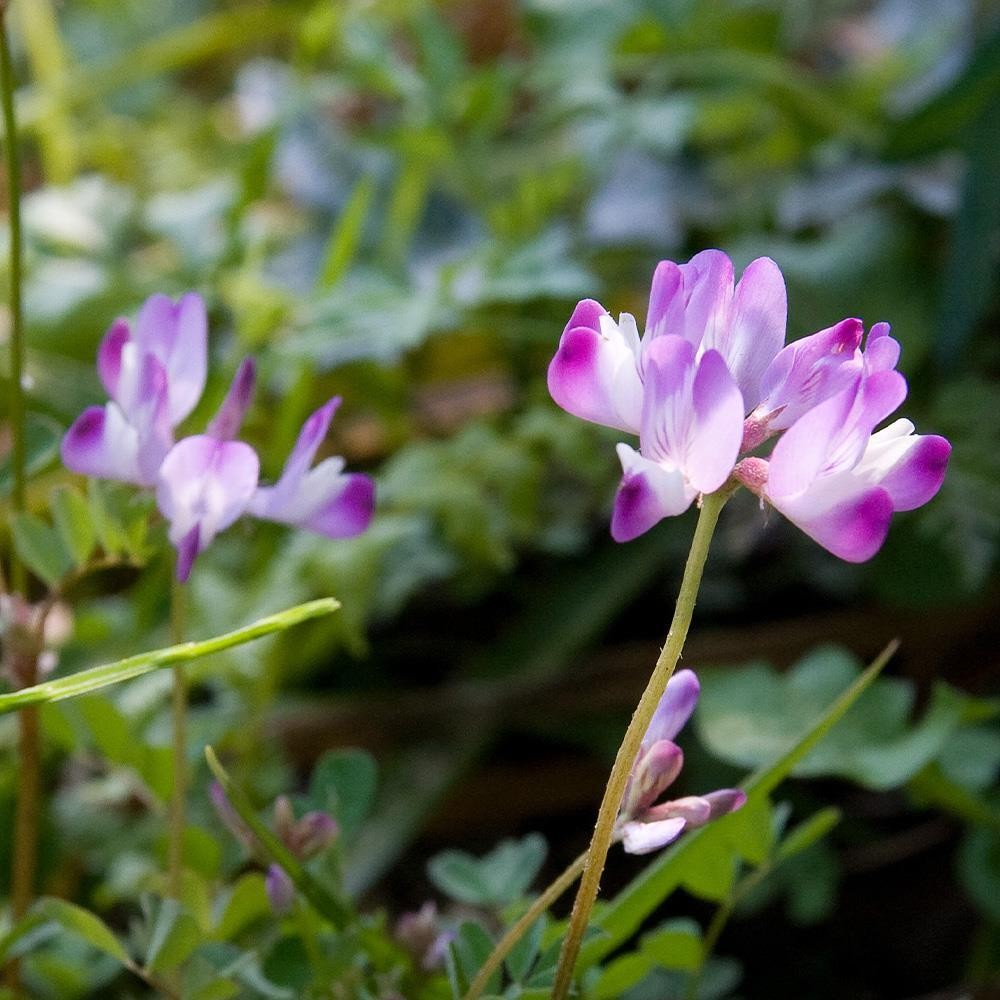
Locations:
(178, 713)
(521, 927)
(604, 828)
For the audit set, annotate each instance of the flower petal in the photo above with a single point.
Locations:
(643, 838)
(675, 707)
(103, 444)
(881, 351)
(177, 334)
(655, 770)
(725, 800)
(109, 356)
(716, 427)
(227, 422)
(853, 528)
(647, 494)
(755, 331)
(809, 371)
(205, 484)
(910, 467)
(708, 298)
(695, 810)
(595, 376)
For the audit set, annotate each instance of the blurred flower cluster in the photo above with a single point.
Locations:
(155, 375)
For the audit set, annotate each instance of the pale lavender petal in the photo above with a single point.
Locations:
(596, 377)
(647, 494)
(667, 411)
(109, 356)
(102, 443)
(725, 800)
(177, 334)
(809, 371)
(755, 331)
(643, 838)
(311, 436)
(348, 512)
(151, 419)
(229, 419)
(803, 451)
(280, 889)
(695, 810)
(675, 707)
(716, 428)
(655, 770)
(666, 301)
(708, 298)
(205, 484)
(853, 529)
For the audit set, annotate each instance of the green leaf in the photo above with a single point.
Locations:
(41, 445)
(110, 532)
(626, 912)
(83, 924)
(471, 947)
(247, 903)
(174, 937)
(40, 548)
(522, 956)
(746, 716)
(620, 975)
(88, 681)
(343, 783)
(346, 235)
(676, 944)
(73, 521)
(979, 870)
(498, 878)
(808, 832)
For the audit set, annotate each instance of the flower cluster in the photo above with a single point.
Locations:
(710, 381)
(643, 825)
(305, 837)
(155, 374)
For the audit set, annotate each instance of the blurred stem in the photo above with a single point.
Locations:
(600, 842)
(16, 403)
(178, 711)
(524, 923)
(25, 854)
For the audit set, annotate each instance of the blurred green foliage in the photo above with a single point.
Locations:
(399, 203)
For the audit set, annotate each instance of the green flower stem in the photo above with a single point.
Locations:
(24, 861)
(523, 924)
(600, 842)
(178, 715)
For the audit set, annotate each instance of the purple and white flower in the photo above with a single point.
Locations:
(643, 823)
(709, 381)
(205, 482)
(837, 478)
(155, 375)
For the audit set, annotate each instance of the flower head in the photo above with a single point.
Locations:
(709, 381)
(155, 376)
(643, 823)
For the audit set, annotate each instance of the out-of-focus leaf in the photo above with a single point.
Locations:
(495, 879)
(40, 548)
(246, 903)
(748, 715)
(979, 869)
(72, 517)
(41, 447)
(343, 783)
(84, 924)
(174, 937)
